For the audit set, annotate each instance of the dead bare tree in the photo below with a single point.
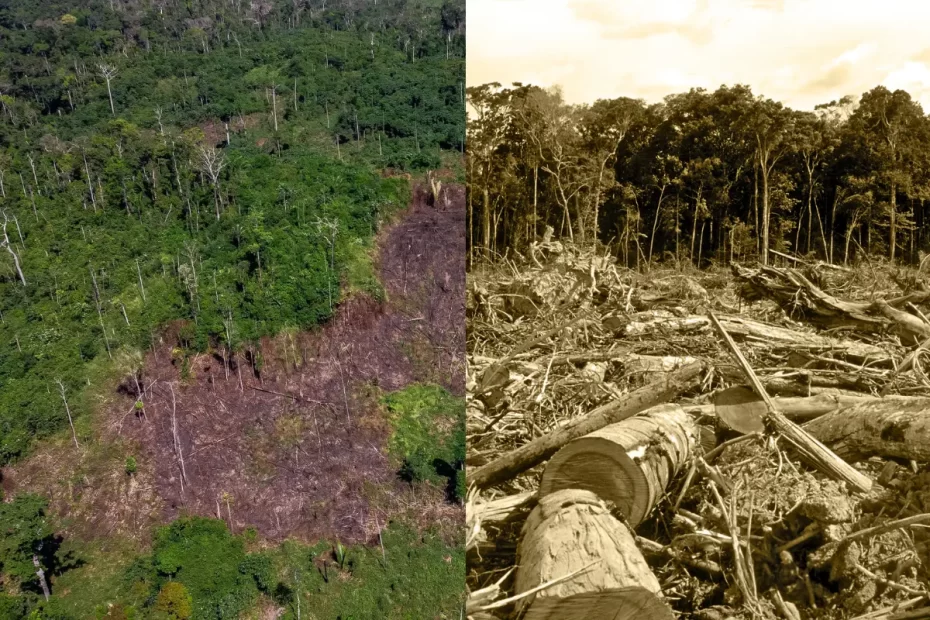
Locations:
(274, 105)
(103, 327)
(108, 72)
(64, 398)
(212, 162)
(328, 229)
(5, 243)
(174, 432)
(158, 113)
(41, 574)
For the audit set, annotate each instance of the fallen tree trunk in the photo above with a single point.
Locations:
(495, 512)
(779, 338)
(797, 409)
(538, 450)
(889, 427)
(572, 533)
(810, 449)
(629, 463)
(791, 289)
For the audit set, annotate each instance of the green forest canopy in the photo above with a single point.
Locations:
(700, 175)
(212, 164)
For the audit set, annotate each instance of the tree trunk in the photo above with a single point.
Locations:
(531, 454)
(697, 212)
(110, 94)
(572, 532)
(765, 215)
(486, 221)
(755, 201)
(41, 575)
(701, 243)
(629, 463)
(655, 224)
(597, 196)
(892, 234)
(535, 199)
(823, 236)
(810, 200)
(888, 427)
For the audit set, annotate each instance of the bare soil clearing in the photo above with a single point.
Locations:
(759, 434)
(289, 437)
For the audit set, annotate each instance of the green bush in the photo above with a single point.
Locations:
(174, 601)
(131, 465)
(12, 607)
(211, 564)
(24, 531)
(428, 434)
(418, 576)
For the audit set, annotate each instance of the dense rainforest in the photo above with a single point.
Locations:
(212, 163)
(219, 169)
(700, 176)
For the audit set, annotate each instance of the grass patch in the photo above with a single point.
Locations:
(418, 576)
(96, 587)
(359, 271)
(197, 566)
(428, 435)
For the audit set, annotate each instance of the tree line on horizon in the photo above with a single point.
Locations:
(702, 175)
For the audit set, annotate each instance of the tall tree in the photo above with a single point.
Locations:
(888, 122)
(771, 125)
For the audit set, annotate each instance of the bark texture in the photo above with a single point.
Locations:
(888, 427)
(569, 531)
(537, 451)
(629, 463)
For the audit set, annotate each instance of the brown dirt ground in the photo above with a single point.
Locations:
(312, 465)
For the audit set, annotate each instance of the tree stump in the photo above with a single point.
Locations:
(572, 529)
(629, 463)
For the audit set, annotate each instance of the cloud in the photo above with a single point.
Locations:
(801, 52)
(833, 78)
(619, 20)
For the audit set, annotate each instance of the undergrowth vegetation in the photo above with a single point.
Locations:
(194, 169)
(428, 435)
(197, 569)
(201, 175)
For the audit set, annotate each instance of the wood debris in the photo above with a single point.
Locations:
(742, 443)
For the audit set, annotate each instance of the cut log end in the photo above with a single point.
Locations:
(599, 465)
(630, 463)
(633, 603)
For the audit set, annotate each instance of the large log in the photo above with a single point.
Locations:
(796, 293)
(629, 463)
(797, 409)
(538, 450)
(779, 338)
(573, 531)
(810, 449)
(890, 427)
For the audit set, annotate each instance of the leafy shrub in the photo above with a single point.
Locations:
(12, 606)
(211, 565)
(174, 601)
(428, 437)
(25, 531)
(131, 465)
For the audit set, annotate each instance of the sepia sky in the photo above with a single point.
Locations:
(800, 52)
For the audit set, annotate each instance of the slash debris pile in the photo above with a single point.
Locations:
(711, 445)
